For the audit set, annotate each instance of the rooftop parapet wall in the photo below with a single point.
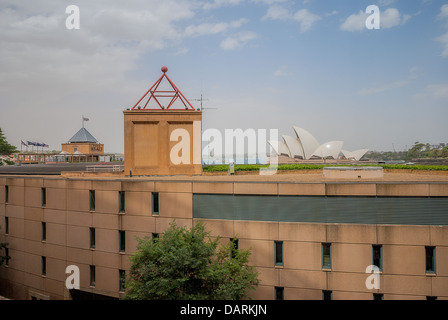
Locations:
(353, 172)
(148, 144)
(394, 185)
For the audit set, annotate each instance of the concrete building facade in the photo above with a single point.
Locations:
(309, 239)
(311, 236)
(151, 135)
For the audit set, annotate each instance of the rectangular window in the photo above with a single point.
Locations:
(44, 197)
(430, 253)
(92, 238)
(378, 296)
(7, 256)
(278, 253)
(235, 244)
(122, 240)
(279, 293)
(327, 295)
(377, 256)
(44, 266)
(6, 225)
(92, 200)
(44, 231)
(6, 194)
(155, 236)
(121, 201)
(92, 276)
(326, 255)
(122, 280)
(155, 203)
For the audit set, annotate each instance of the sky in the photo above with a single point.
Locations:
(260, 64)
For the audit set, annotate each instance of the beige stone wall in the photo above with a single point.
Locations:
(147, 144)
(68, 220)
(353, 173)
(84, 148)
(302, 276)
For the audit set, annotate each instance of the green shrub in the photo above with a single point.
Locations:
(298, 166)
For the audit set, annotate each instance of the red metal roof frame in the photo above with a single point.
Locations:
(173, 94)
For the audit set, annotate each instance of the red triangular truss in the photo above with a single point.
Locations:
(174, 94)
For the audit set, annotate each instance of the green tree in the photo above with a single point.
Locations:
(5, 147)
(415, 151)
(445, 152)
(186, 264)
(435, 153)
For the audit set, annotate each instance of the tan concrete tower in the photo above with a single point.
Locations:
(163, 140)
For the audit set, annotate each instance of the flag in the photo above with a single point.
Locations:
(85, 119)
(30, 143)
(24, 144)
(46, 146)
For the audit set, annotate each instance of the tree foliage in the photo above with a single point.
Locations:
(416, 150)
(5, 147)
(186, 264)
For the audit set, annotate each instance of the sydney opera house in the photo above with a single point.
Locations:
(305, 146)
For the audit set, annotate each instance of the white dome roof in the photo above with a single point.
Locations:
(357, 154)
(329, 149)
(294, 146)
(309, 144)
(280, 147)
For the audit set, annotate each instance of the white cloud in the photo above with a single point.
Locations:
(181, 52)
(390, 86)
(388, 18)
(210, 28)
(216, 4)
(392, 17)
(435, 91)
(303, 16)
(413, 70)
(49, 75)
(386, 87)
(332, 13)
(108, 43)
(269, 2)
(355, 22)
(281, 72)
(443, 12)
(37, 50)
(208, 5)
(385, 2)
(443, 39)
(277, 13)
(438, 91)
(306, 19)
(232, 42)
(238, 40)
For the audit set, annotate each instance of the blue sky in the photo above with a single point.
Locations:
(260, 63)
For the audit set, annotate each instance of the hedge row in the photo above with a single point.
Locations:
(294, 166)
